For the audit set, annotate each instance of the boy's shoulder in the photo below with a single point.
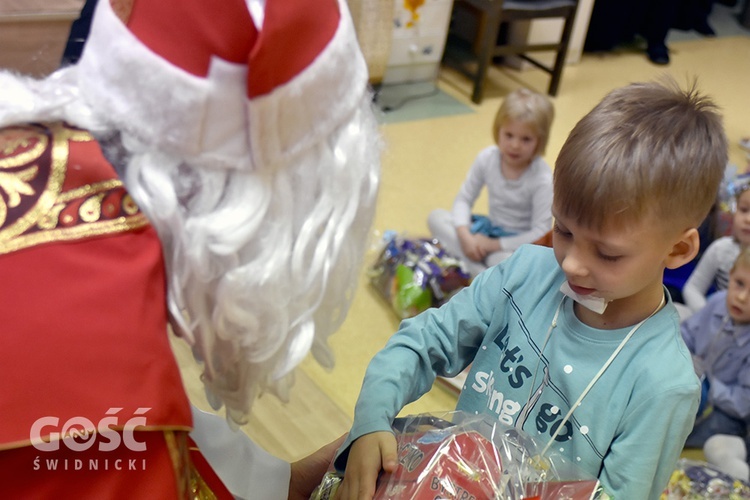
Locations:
(660, 338)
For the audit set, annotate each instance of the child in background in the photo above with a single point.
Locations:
(718, 337)
(570, 343)
(519, 187)
(713, 267)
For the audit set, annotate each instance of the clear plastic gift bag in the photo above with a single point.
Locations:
(460, 456)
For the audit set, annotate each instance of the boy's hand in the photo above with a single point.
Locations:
(367, 456)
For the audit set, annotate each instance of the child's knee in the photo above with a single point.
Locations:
(725, 445)
(728, 454)
(439, 220)
(435, 217)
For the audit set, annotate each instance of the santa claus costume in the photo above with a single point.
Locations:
(243, 132)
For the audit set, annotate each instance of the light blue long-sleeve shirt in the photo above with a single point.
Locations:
(630, 428)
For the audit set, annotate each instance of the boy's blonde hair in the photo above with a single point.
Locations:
(647, 149)
(529, 107)
(742, 260)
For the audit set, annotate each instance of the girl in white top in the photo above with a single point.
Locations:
(715, 263)
(519, 187)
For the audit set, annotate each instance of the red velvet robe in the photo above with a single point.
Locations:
(84, 331)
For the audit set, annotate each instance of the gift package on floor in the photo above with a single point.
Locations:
(414, 274)
(460, 456)
(695, 480)
(732, 186)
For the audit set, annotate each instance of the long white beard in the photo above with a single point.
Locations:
(263, 265)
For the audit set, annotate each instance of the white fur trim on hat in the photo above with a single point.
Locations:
(211, 120)
(299, 113)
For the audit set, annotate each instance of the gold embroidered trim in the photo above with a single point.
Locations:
(199, 490)
(89, 189)
(92, 210)
(179, 455)
(20, 141)
(122, 224)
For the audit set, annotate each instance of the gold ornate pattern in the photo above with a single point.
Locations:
(34, 207)
(199, 490)
(180, 457)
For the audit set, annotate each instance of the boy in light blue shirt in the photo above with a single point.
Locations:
(578, 345)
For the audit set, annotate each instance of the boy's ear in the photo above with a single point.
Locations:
(684, 249)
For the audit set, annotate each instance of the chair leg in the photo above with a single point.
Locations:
(487, 48)
(557, 70)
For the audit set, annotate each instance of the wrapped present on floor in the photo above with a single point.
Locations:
(462, 456)
(416, 274)
(732, 186)
(696, 480)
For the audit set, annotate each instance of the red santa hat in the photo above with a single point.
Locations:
(237, 83)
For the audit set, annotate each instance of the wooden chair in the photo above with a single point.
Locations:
(490, 15)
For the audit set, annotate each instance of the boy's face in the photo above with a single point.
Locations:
(625, 266)
(741, 219)
(738, 295)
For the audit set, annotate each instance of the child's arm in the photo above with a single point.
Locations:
(644, 454)
(439, 341)
(367, 456)
(700, 280)
(464, 201)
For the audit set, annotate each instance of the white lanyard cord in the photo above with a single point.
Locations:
(599, 373)
(552, 325)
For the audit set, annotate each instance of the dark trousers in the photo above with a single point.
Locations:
(716, 422)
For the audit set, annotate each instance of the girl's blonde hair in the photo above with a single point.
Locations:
(529, 107)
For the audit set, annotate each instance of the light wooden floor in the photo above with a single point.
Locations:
(424, 164)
